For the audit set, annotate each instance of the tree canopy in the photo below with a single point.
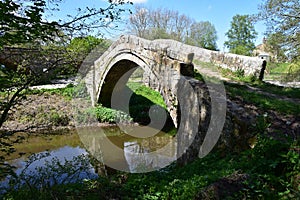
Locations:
(168, 24)
(241, 35)
(24, 21)
(282, 18)
(203, 34)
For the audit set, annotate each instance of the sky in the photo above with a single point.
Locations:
(218, 12)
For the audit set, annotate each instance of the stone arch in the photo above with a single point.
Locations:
(122, 64)
(162, 67)
(118, 66)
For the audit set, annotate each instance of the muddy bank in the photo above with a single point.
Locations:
(43, 113)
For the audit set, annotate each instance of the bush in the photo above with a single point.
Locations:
(109, 115)
(58, 119)
(240, 73)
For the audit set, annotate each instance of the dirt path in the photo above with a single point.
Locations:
(214, 73)
(56, 84)
(283, 98)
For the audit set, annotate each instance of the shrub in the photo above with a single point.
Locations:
(109, 115)
(58, 119)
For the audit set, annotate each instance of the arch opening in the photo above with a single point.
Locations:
(127, 77)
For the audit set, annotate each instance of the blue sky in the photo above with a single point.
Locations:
(218, 12)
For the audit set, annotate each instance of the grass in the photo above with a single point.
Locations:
(148, 93)
(189, 181)
(266, 87)
(205, 64)
(284, 71)
(264, 102)
(278, 90)
(271, 171)
(278, 68)
(142, 99)
(274, 68)
(68, 92)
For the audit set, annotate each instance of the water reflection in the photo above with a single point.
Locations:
(44, 169)
(127, 153)
(141, 159)
(132, 154)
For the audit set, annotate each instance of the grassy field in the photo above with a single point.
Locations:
(283, 71)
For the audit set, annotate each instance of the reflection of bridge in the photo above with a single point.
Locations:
(168, 68)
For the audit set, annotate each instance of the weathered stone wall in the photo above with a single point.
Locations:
(250, 65)
(236, 133)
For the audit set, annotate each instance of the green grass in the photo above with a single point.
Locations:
(264, 102)
(189, 181)
(148, 93)
(253, 82)
(3, 79)
(272, 166)
(284, 72)
(142, 100)
(205, 64)
(275, 68)
(67, 92)
(278, 90)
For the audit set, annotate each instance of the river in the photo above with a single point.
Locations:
(40, 154)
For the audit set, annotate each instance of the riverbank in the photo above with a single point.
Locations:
(69, 107)
(50, 110)
(269, 169)
(40, 112)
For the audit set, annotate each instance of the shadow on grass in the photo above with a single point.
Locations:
(139, 107)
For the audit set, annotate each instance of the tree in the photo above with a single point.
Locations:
(81, 47)
(273, 46)
(241, 35)
(181, 27)
(203, 34)
(44, 48)
(22, 22)
(282, 18)
(167, 24)
(139, 22)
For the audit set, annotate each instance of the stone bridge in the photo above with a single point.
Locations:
(164, 62)
(198, 109)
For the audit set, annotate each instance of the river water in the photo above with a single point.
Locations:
(39, 155)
